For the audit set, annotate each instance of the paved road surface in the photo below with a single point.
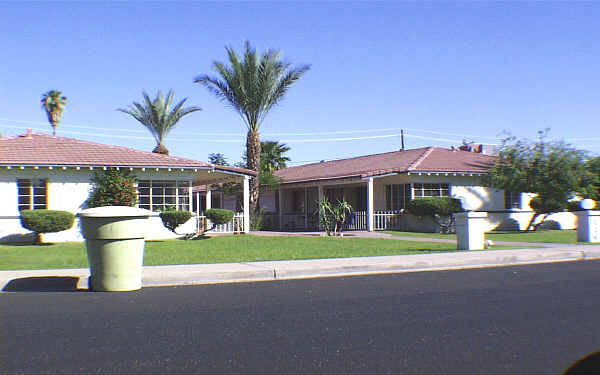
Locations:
(510, 320)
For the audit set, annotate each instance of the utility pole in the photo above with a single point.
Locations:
(402, 138)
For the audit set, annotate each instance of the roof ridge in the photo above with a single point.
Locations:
(129, 149)
(356, 157)
(420, 159)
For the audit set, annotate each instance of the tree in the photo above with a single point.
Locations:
(218, 159)
(112, 187)
(252, 85)
(593, 167)
(54, 102)
(271, 156)
(159, 116)
(554, 171)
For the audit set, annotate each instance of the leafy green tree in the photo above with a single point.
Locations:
(112, 187)
(252, 85)
(54, 102)
(218, 159)
(553, 170)
(593, 167)
(159, 116)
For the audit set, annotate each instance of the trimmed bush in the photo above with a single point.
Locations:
(112, 187)
(219, 216)
(172, 218)
(46, 221)
(439, 209)
(574, 206)
(443, 206)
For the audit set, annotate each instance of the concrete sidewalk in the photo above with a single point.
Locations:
(298, 269)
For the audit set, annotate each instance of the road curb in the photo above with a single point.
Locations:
(301, 269)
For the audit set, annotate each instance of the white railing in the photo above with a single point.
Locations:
(382, 220)
(385, 220)
(236, 225)
(356, 221)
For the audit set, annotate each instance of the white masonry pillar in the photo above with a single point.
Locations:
(588, 222)
(470, 230)
(370, 208)
(246, 204)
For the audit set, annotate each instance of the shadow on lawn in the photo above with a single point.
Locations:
(43, 284)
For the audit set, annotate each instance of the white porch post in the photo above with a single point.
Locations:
(370, 208)
(305, 209)
(198, 202)
(246, 204)
(208, 198)
(190, 198)
(320, 189)
(280, 197)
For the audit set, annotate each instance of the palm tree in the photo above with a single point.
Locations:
(159, 116)
(252, 86)
(53, 102)
(271, 157)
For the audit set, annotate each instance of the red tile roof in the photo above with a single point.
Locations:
(46, 150)
(428, 159)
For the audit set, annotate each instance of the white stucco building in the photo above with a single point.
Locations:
(39, 171)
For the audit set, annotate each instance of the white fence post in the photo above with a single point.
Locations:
(588, 222)
(470, 230)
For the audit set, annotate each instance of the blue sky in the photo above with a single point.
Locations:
(443, 71)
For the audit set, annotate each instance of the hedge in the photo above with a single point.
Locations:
(46, 221)
(442, 206)
(219, 216)
(173, 218)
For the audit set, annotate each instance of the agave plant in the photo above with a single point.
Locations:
(252, 85)
(159, 116)
(54, 102)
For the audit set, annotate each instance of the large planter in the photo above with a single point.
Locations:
(114, 238)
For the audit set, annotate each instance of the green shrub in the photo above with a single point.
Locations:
(219, 216)
(439, 209)
(172, 218)
(546, 206)
(112, 187)
(46, 221)
(574, 206)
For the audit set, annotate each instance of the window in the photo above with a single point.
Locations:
(160, 195)
(512, 200)
(431, 190)
(32, 194)
(397, 196)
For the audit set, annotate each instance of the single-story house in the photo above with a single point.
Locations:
(379, 186)
(39, 171)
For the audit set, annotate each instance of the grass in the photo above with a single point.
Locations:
(549, 236)
(221, 249)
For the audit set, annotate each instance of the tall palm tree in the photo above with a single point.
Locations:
(53, 102)
(252, 85)
(272, 158)
(159, 116)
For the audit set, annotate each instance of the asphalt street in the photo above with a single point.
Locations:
(534, 319)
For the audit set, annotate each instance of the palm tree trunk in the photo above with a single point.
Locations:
(253, 157)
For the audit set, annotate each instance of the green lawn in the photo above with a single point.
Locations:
(551, 236)
(219, 249)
